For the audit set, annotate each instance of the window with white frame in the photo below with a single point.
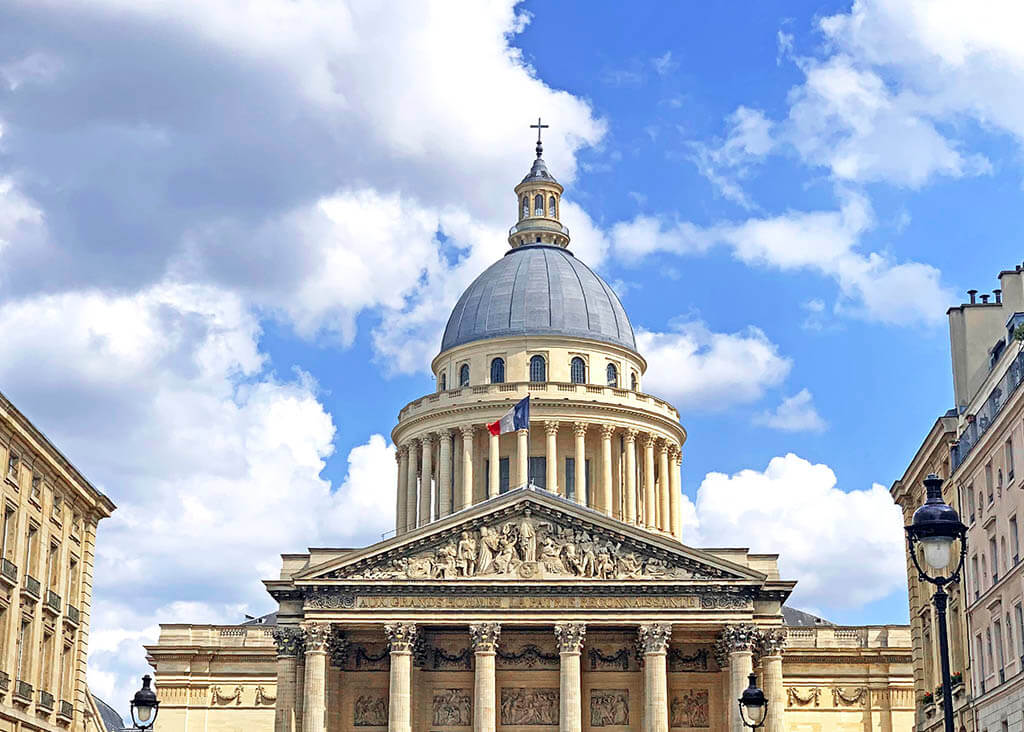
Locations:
(1008, 451)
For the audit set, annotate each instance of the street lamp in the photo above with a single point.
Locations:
(935, 526)
(145, 705)
(753, 705)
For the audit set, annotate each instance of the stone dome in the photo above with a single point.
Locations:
(538, 290)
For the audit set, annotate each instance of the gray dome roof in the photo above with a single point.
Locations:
(538, 290)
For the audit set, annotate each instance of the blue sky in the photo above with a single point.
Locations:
(228, 246)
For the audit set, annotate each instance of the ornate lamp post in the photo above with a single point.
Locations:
(145, 705)
(935, 526)
(753, 705)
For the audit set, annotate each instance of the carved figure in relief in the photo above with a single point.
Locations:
(488, 548)
(370, 710)
(690, 709)
(506, 555)
(527, 542)
(609, 707)
(588, 557)
(550, 555)
(528, 707)
(452, 708)
(444, 566)
(467, 555)
(629, 565)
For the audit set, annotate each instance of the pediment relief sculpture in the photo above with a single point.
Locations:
(531, 548)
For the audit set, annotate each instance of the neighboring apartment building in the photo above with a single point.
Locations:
(47, 545)
(985, 433)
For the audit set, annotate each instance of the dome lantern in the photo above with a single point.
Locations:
(538, 203)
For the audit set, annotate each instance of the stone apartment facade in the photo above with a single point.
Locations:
(49, 519)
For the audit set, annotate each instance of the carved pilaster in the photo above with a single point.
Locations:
(570, 636)
(289, 641)
(316, 636)
(485, 636)
(401, 636)
(653, 638)
(337, 648)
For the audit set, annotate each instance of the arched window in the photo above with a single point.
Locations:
(632, 381)
(551, 208)
(613, 375)
(498, 371)
(538, 205)
(526, 206)
(538, 369)
(464, 375)
(578, 371)
(443, 381)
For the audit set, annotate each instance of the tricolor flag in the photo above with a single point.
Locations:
(517, 418)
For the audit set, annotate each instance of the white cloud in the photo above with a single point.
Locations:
(750, 137)
(796, 413)
(697, 369)
(844, 548)
(664, 64)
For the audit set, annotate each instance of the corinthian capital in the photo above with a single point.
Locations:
(742, 637)
(468, 430)
(485, 636)
(631, 433)
(579, 428)
(401, 636)
(551, 428)
(570, 636)
(607, 431)
(654, 637)
(316, 636)
(773, 641)
(289, 641)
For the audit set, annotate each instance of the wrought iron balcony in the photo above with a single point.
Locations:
(32, 587)
(73, 615)
(9, 571)
(53, 602)
(23, 691)
(46, 700)
(988, 411)
(66, 710)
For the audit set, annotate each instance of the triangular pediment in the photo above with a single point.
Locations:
(529, 534)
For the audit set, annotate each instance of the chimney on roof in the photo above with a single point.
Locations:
(984, 299)
(972, 293)
(999, 295)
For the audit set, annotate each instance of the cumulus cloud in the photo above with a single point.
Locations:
(725, 164)
(697, 369)
(796, 413)
(844, 547)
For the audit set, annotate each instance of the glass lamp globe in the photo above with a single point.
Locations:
(753, 704)
(937, 551)
(144, 705)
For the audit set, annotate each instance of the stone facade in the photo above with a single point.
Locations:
(49, 519)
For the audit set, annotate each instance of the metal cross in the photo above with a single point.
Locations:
(539, 127)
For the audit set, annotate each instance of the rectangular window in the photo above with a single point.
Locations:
(36, 493)
(53, 568)
(502, 475)
(1009, 459)
(981, 663)
(46, 672)
(970, 504)
(31, 549)
(988, 482)
(993, 558)
(58, 508)
(24, 637)
(10, 526)
(13, 461)
(570, 480)
(975, 576)
(988, 643)
(1014, 540)
(538, 471)
(997, 627)
(65, 692)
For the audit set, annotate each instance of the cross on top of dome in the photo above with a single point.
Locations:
(539, 127)
(538, 196)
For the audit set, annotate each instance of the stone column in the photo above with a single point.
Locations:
(466, 491)
(675, 498)
(401, 637)
(605, 502)
(485, 643)
(426, 479)
(579, 474)
(493, 473)
(739, 641)
(411, 494)
(664, 513)
(630, 501)
(650, 498)
(773, 642)
(444, 475)
(618, 511)
(551, 458)
(523, 456)
(314, 707)
(402, 503)
(456, 469)
(570, 643)
(653, 640)
(290, 645)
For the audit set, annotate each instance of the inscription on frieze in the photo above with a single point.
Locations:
(453, 708)
(529, 707)
(609, 707)
(689, 708)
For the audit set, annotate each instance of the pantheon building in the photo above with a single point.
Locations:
(538, 579)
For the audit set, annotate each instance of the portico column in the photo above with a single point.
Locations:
(631, 516)
(579, 474)
(773, 642)
(401, 507)
(675, 499)
(551, 458)
(654, 644)
(410, 499)
(650, 505)
(570, 643)
(493, 474)
(290, 645)
(314, 707)
(522, 456)
(444, 475)
(456, 468)
(485, 644)
(426, 479)
(664, 513)
(466, 490)
(401, 637)
(739, 641)
(605, 502)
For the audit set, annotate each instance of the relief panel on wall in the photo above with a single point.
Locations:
(689, 708)
(529, 707)
(370, 709)
(609, 707)
(452, 708)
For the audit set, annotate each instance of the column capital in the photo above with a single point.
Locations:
(523, 431)
(399, 454)
(337, 648)
(570, 636)
(551, 428)
(579, 428)
(427, 439)
(290, 641)
(316, 635)
(446, 433)
(654, 637)
(468, 430)
(675, 452)
(772, 642)
(401, 636)
(664, 446)
(647, 440)
(631, 433)
(607, 431)
(485, 636)
(739, 638)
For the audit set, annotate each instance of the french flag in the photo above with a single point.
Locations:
(517, 418)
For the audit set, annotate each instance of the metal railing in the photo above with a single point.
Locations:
(988, 411)
(535, 224)
(23, 690)
(53, 602)
(73, 615)
(67, 710)
(32, 586)
(9, 569)
(46, 700)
